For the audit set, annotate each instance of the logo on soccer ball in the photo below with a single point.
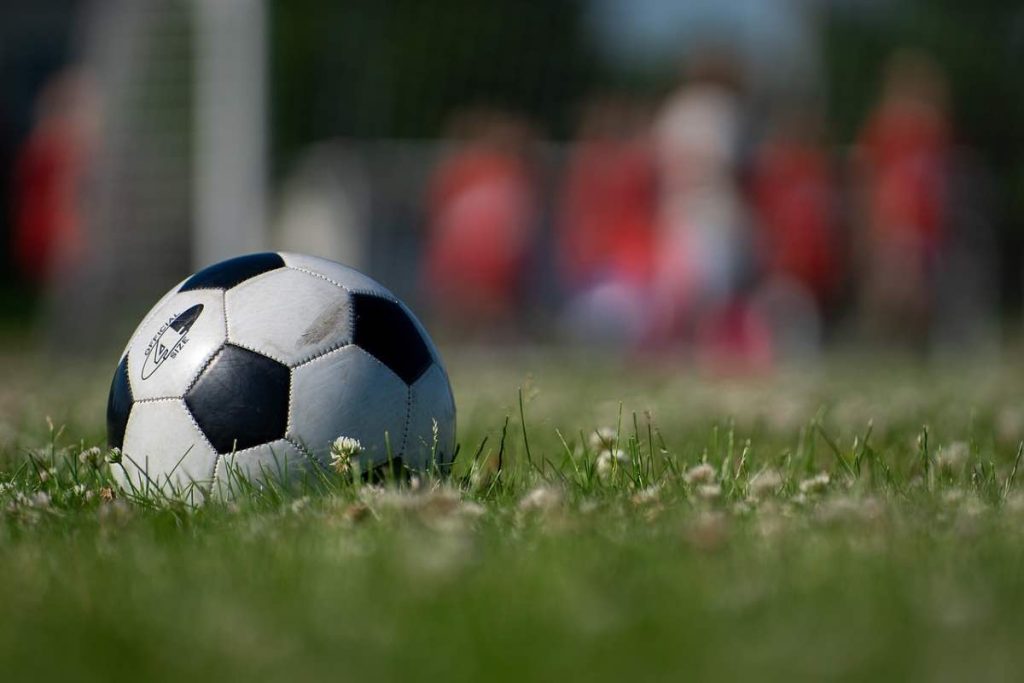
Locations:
(169, 340)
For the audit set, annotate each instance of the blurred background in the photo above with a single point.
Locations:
(740, 183)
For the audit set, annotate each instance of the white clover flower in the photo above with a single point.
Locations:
(40, 499)
(651, 494)
(815, 484)
(765, 482)
(608, 461)
(343, 451)
(91, 456)
(442, 509)
(78, 489)
(709, 491)
(541, 499)
(741, 508)
(951, 458)
(472, 510)
(700, 474)
(845, 509)
(602, 439)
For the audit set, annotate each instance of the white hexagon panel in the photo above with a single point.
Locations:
(279, 460)
(289, 315)
(346, 277)
(349, 393)
(431, 405)
(148, 462)
(171, 346)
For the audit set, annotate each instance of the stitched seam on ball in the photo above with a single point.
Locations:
(127, 424)
(302, 449)
(139, 469)
(379, 362)
(259, 276)
(320, 355)
(261, 352)
(291, 401)
(351, 319)
(159, 399)
(128, 365)
(198, 289)
(234, 455)
(202, 369)
(213, 354)
(227, 322)
(357, 290)
(246, 451)
(368, 292)
(408, 418)
(213, 475)
(202, 435)
(320, 276)
(435, 355)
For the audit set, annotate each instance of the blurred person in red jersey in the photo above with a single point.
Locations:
(606, 226)
(701, 214)
(703, 237)
(482, 213)
(793, 197)
(49, 175)
(902, 159)
(797, 241)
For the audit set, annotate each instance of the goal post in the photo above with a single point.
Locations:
(230, 118)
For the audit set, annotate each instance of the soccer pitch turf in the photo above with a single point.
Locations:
(861, 520)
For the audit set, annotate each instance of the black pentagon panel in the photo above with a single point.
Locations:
(383, 329)
(119, 405)
(240, 400)
(227, 274)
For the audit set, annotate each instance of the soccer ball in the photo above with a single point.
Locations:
(256, 365)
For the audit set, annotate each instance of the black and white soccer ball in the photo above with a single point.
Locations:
(256, 365)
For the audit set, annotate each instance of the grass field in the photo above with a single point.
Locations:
(864, 520)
